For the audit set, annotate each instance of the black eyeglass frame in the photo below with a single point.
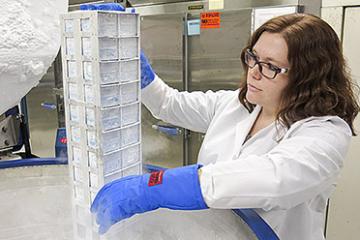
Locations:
(277, 70)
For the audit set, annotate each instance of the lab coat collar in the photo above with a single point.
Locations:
(243, 128)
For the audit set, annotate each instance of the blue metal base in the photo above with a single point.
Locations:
(32, 162)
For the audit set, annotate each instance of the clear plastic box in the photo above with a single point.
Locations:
(73, 91)
(113, 117)
(110, 95)
(74, 113)
(112, 162)
(128, 25)
(86, 47)
(129, 92)
(90, 117)
(108, 48)
(130, 114)
(75, 134)
(130, 156)
(92, 159)
(85, 25)
(114, 139)
(129, 70)
(130, 135)
(109, 72)
(79, 192)
(128, 48)
(89, 93)
(77, 156)
(110, 140)
(108, 25)
(110, 118)
(71, 69)
(91, 139)
(69, 25)
(70, 47)
(78, 174)
(87, 71)
(94, 180)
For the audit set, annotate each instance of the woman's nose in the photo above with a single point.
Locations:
(255, 72)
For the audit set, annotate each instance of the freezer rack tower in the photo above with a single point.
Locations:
(101, 75)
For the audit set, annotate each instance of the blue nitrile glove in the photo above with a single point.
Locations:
(177, 189)
(103, 6)
(147, 73)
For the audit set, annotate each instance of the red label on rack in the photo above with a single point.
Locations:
(156, 178)
(210, 20)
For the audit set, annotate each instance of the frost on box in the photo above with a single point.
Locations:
(100, 54)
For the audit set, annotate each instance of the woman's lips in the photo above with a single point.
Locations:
(252, 88)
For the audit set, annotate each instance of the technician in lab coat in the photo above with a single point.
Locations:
(277, 144)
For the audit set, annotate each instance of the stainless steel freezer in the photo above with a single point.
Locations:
(194, 62)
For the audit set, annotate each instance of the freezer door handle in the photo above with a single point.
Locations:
(168, 130)
(48, 106)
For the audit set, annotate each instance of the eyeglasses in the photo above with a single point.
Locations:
(266, 69)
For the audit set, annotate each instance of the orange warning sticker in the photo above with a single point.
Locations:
(210, 20)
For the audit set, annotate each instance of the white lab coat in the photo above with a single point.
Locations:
(288, 182)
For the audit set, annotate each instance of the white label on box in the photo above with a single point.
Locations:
(69, 25)
(73, 91)
(71, 67)
(85, 24)
(91, 139)
(90, 117)
(74, 113)
(94, 180)
(89, 94)
(70, 46)
(77, 155)
(92, 159)
(86, 47)
(87, 71)
(75, 134)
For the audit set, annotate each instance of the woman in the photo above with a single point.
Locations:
(276, 145)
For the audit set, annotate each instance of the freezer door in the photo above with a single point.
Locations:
(343, 216)
(161, 40)
(214, 59)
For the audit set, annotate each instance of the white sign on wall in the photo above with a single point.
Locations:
(261, 15)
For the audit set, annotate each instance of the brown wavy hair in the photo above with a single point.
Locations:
(319, 83)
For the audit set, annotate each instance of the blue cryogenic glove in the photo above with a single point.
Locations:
(103, 6)
(147, 73)
(177, 189)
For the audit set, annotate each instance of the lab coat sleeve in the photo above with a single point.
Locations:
(193, 110)
(299, 168)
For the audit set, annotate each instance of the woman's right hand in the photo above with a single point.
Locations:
(147, 73)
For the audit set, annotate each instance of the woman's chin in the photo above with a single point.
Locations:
(250, 99)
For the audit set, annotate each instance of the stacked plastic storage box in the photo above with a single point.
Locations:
(100, 56)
